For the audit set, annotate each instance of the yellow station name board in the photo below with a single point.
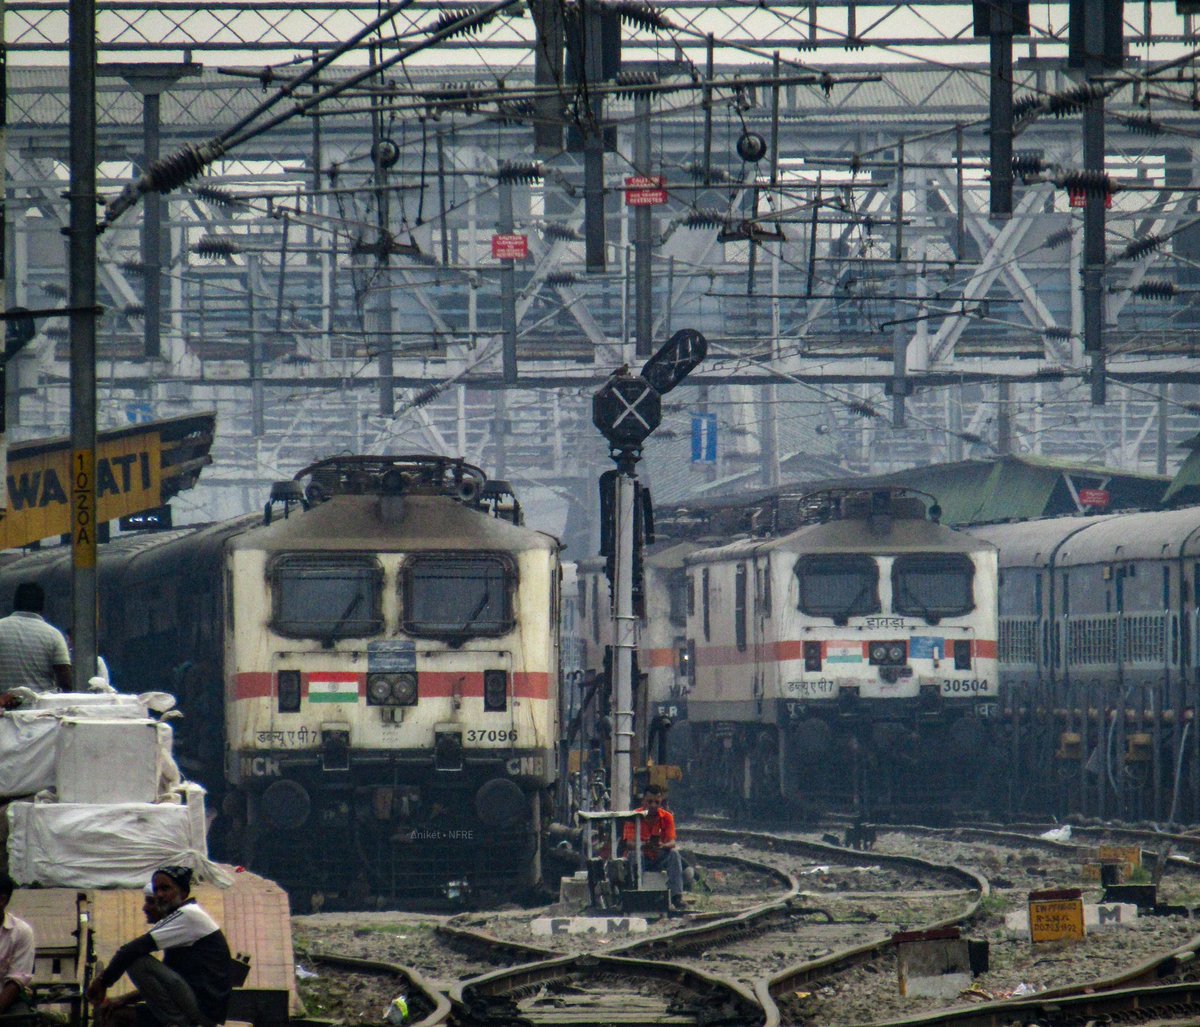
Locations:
(128, 481)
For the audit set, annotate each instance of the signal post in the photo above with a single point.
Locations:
(627, 409)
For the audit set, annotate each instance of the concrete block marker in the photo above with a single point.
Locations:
(932, 964)
(549, 926)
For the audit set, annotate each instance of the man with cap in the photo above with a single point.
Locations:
(190, 987)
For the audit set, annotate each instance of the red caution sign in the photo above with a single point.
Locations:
(510, 247)
(645, 191)
(1079, 198)
(1097, 499)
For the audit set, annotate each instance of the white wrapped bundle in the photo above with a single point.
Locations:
(70, 845)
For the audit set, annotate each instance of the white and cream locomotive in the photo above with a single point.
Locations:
(369, 674)
(850, 657)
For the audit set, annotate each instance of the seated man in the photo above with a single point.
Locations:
(191, 986)
(16, 956)
(657, 833)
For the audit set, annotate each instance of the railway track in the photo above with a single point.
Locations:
(656, 979)
(647, 980)
(426, 1005)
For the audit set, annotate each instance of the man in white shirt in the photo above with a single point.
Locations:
(33, 654)
(16, 955)
(190, 987)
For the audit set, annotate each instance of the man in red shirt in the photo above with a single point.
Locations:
(657, 832)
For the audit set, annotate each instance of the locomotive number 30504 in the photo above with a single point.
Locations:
(965, 686)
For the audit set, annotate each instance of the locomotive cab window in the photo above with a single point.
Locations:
(326, 596)
(451, 594)
(837, 586)
(933, 585)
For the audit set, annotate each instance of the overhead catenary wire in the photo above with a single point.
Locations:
(169, 173)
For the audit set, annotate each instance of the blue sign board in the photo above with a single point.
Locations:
(704, 438)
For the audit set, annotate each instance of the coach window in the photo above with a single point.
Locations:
(450, 595)
(837, 586)
(739, 607)
(677, 587)
(326, 596)
(933, 585)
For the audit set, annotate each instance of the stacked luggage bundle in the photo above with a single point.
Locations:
(96, 799)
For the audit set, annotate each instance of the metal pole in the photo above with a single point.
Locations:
(960, 226)
(1161, 463)
(643, 227)
(1093, 212)
(257, 426)
(624, 636)
(1003, 417)
(283, 248)
(1001, 121)
(899, 334)
(82, 293)
(151, 231)
(548, 72)
(500, 432)
(383, 277)
(707, 103)
(442, 220)
(593, 144)
(508, 290)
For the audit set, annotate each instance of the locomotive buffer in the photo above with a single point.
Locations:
(627, 409)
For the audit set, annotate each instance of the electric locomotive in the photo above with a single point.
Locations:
(369, 673)
(854, 657)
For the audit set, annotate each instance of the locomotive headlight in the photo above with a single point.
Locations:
(879, 653)
(404, 689)
(896, 653)
(287, 684)
(379, 688)
(495, 690)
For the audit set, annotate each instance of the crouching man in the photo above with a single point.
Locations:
(190, 987)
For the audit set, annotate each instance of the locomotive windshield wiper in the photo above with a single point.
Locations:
(845, 614)
(479, 608)
(909, 597)
(341, 621)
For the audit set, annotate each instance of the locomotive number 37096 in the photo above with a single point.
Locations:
(965, 686)
(491, 736)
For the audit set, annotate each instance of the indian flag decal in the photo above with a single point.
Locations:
(332, 686)
(843, 652)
